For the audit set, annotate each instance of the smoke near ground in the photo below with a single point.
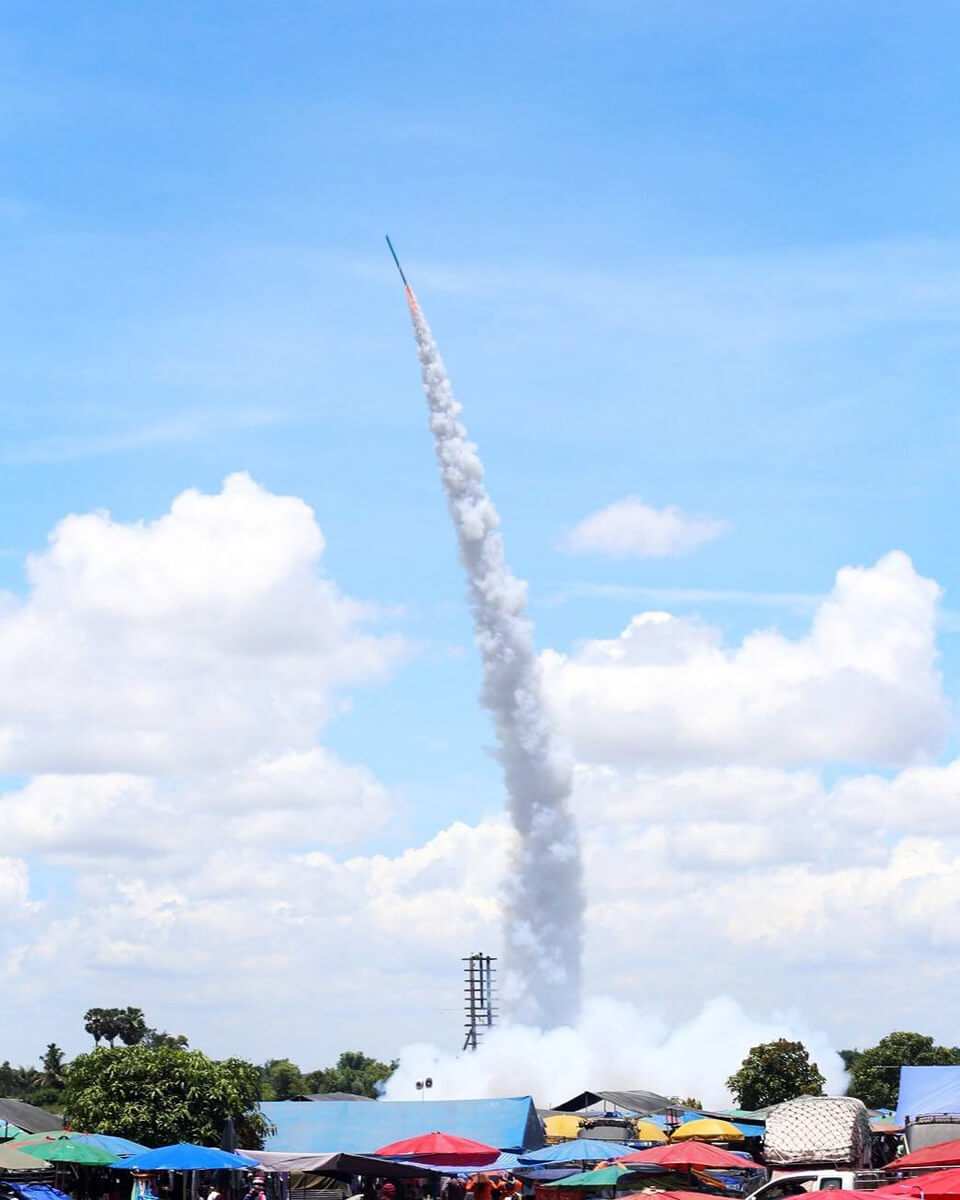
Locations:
(614, 1045)
(543, 893)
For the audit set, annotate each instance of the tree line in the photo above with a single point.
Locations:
(155, 1089)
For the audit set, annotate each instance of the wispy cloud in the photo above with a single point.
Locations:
(628, 528)
(193, 427)
(799, 294)
(667, 597)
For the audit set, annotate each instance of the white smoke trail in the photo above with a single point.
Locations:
(543, 894)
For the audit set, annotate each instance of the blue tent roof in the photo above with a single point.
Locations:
(509, 1124)
(579, 1150)
(928, 1091)
(185, 1157)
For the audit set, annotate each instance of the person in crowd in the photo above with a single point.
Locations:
(387, 1190)
(480, 1187)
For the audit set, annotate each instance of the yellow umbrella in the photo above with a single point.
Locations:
(707, 1129)
(562, 1127)
(648, 1132)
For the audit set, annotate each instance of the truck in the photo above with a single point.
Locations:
(796, 1183)
(818, 1132)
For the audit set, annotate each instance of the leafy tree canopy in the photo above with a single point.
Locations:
(164, 1095)
(281, 1079)
(355, 1072)
(773, 1072)
(875, 1072)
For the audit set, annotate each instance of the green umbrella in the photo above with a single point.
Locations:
(601, 1177)
(27, 1138)
(65, 1150)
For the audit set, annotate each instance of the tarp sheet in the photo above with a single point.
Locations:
(509, 1124)
(926, 1090)
(338, 1164)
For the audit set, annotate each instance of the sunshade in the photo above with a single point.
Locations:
(185, 1157)
(583, 1150)
(946, 1154)
(690, 1154)
(936, 1183)
(707, 1129)
(67, 1151)
(648, 1132)
(598, 1177)
(29, 1138)
(12, 1159)
(676, 1195)
(117, 1146)
(441, 1150)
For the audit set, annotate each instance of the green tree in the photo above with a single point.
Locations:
(281, 1079)
(355, 1072)
(154, 1039)
(773, 1072)
(158, 1096)
(54, 1067)
(875, 1072)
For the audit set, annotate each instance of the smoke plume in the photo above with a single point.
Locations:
(615, 1045)
(543, 900)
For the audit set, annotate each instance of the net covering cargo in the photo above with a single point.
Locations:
(832, 1130)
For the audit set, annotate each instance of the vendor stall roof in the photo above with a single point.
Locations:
(509, 1124)
(628, 1102)
(28, 1117)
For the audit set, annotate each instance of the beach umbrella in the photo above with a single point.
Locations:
(707, 1129)
(687, 1195)
(66, 1150)
(690, 1154)
(580, 1150)
(185, 1157)
(117, 1146)
(28, 1139)
(598, 1177)
(945, 1154)
(936, 1183)
(12, 1159)
(648, 1132)
(441, 1150)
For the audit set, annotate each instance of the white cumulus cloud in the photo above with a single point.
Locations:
(628, 528)
(861, 686)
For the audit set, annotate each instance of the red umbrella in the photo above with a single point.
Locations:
(689, 1154)
(946, 1154)
(678, 1195)
(441, 1150)
(936, 1183)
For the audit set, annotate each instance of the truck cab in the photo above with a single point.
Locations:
(795, 1183)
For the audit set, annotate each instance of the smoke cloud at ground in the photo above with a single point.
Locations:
(543, 893)
(614, 1045)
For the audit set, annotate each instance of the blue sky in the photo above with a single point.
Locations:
(704, 254)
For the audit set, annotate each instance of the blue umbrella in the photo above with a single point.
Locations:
(579, 1150)
(184, 1157)
(116, 1145)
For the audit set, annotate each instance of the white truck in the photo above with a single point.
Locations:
(796, 1183)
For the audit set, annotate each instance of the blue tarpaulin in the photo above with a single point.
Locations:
(318, 1127)
(928, 1091)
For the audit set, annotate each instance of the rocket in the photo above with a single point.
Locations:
(406, 286)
